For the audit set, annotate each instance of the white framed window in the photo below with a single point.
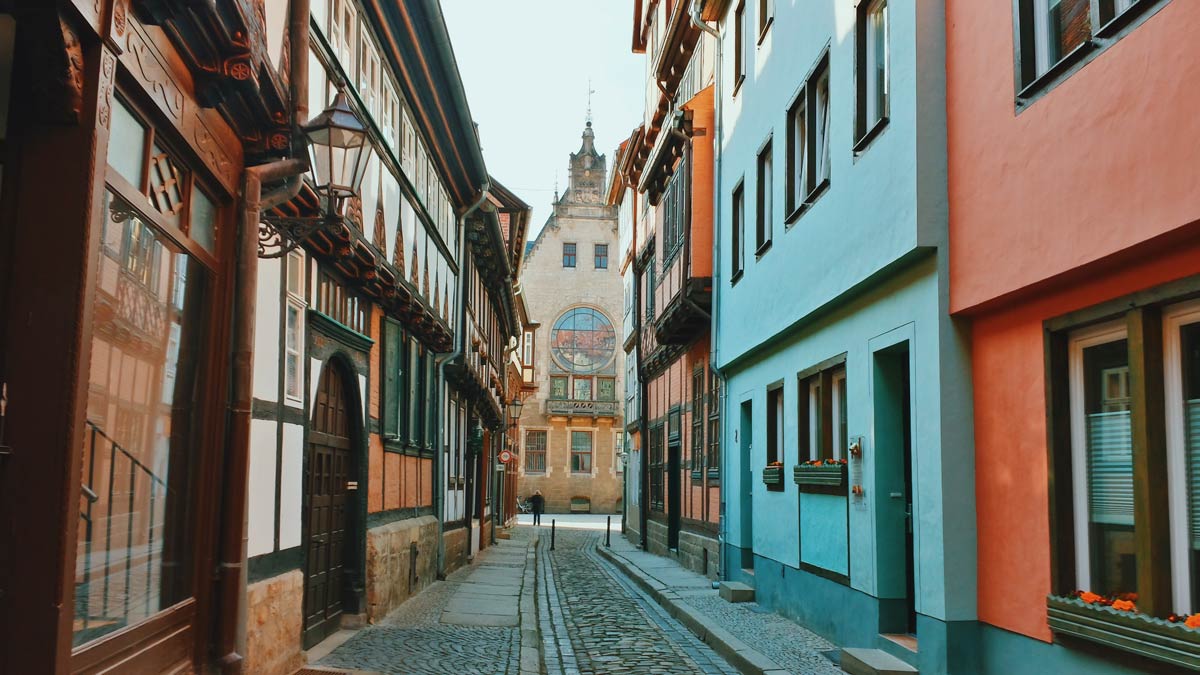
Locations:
(581, 451)
(527, 349)
(618, 448)
(343, 25)
(1102, 459)
(1181, 371)
(294, 329)
(872, 65)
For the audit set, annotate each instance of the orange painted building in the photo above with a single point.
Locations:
(1075, 261)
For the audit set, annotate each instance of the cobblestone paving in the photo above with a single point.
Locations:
(596, 622)
(412, 640)
(783, 641)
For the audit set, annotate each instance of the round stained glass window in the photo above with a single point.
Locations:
(583, 340)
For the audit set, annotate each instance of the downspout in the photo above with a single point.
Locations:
(231, 566)
(715, 326)
(439, 496)
(643, 411)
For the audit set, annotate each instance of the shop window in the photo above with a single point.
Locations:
(872, 75)
(147, 388)
(535, 451)
(581, 452)
(764, 212)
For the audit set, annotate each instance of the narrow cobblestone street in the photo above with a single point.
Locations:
(566, 611)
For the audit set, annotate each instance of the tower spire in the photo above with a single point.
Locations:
(589, 105)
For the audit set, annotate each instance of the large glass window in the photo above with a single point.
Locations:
(581, 452)
(583, 341)
(146, 385)
(1102, 443)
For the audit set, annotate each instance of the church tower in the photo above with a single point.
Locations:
(588, 171)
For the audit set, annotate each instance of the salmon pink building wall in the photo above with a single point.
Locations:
(1101, 162)
(1085, 195)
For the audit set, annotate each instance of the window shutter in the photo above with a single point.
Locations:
(391, 379)
(1110, 468)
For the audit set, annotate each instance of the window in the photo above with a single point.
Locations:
(775, 430)
(583, 341)
(713, 461)
(872, 76)
(147, 385)
(527, 349)
(535, 451)
(581, 452)
(293, 327)
(766, 14)
(797, 159)
(581, 389)
(1052, 30)
(657, 452)
(818, 139)
(568, 255)
(606, 389)
(1124, 394)
(764, 215)
(822, 414)
(697, 449)
(735, 235)
(338, 303)
(342, 33)
(676, 212)
(619, 451)
(558, 387)
(651, 285)
(739, 46)
(601, 256)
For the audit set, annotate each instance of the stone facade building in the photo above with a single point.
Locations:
(571, 429)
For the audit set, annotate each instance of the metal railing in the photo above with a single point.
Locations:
(137, 558)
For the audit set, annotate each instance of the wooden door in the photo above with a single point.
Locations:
(329, 470)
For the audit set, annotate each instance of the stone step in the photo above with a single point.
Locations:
(873, 662)
(736, 591)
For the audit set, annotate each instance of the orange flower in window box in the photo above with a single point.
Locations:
(1089, 597)
(1193, 621)
(1124, 606)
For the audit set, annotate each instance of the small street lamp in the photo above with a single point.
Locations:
(514, 410)
(338, 149)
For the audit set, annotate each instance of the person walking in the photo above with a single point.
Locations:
(537, 502)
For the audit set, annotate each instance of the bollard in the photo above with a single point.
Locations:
(608, 532)
(551, 534)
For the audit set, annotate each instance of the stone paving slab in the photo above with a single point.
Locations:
(781, 646)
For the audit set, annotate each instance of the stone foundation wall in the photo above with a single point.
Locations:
(393, 575)
(456, 548)
(275, 618)
(697, 552)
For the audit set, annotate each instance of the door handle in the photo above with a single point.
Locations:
(896, 495)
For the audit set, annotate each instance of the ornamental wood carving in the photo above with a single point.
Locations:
(154, 75)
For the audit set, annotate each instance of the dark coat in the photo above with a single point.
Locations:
(537, 503)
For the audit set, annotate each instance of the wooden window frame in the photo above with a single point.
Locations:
(698, 419)
(656, 466)
(600, 256)
(775, 429)
(591, 452)
(737, 231)
(1106, 32)
(531, 453)
(766, 17)
(572, 258)
(764, 191)
(865, 130)
(739, 46)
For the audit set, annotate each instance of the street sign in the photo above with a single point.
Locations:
(506, 456)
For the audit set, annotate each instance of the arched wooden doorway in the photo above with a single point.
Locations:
(330, 472)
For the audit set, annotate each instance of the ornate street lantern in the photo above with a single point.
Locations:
(514, 409)
(338, 149)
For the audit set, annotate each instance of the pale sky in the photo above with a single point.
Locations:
(525, 65)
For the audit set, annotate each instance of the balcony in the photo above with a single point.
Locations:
(573, 408)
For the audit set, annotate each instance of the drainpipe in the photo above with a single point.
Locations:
(715, 326)
(439, 495)
(231, 570)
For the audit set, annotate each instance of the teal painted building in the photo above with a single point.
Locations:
(832, 333)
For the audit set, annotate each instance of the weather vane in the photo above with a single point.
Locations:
(589, 108)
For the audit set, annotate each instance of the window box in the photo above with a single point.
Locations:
(696, 475)
(1131, 632)
(772, 476)
(825, 475)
